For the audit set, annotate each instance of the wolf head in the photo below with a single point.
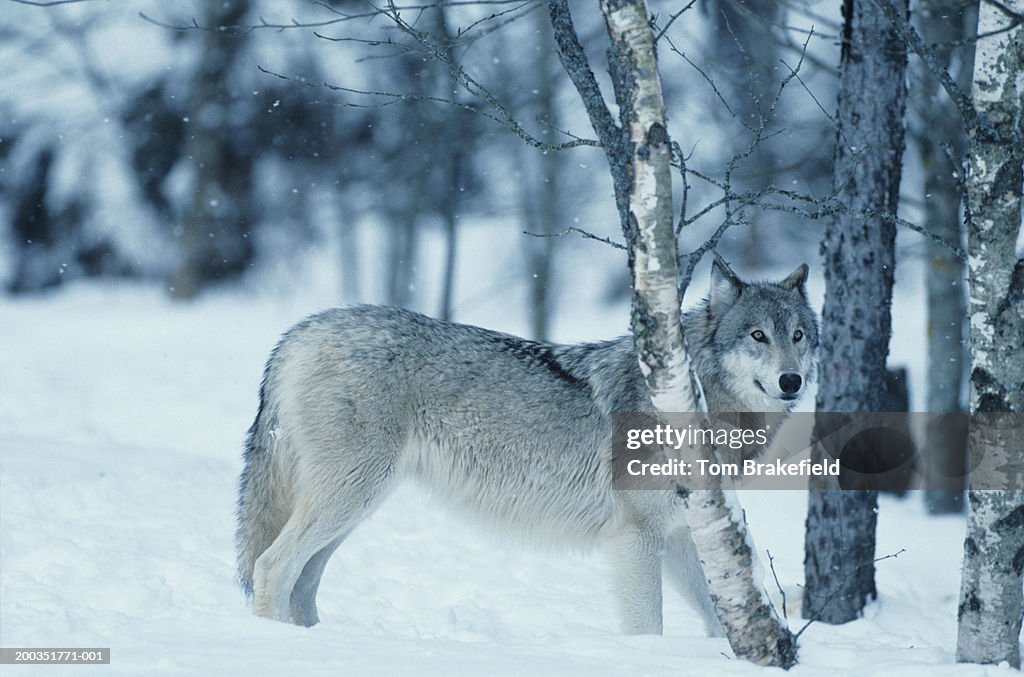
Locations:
(759, 342)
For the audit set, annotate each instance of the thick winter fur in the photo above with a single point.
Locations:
(517, 432)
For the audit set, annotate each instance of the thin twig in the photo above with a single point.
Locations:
(341, 16)
(810, 93)
(975, 122)
(47, 3)
(709, 80)
(771, 565)
(473, 86)
(574, 60)
(672, 19)
(395, 97)
(839, 587)
(580, 231)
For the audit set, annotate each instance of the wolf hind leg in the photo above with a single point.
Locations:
(287, 574)
(636, 562)
(683, 567)
(303, 599)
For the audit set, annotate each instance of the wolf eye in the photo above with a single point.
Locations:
(797, 335)
(759, 336)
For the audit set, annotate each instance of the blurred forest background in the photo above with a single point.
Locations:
(257, 143)
(137, 142)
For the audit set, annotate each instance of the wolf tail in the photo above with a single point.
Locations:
(263, 504)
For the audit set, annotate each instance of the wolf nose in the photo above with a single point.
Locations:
(790, 383)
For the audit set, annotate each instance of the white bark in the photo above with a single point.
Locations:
(663, 358)
(991, 595)
(754, 630)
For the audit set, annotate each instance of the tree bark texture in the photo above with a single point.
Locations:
(990, 593)
(657, 331)
(859, 253)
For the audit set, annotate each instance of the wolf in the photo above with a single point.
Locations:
(516, 432)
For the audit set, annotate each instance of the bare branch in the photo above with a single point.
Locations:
(770, 198)
(694, 257)
(672, 19)
(803, 84)
(733, 203)
(771, 565)
(801, 8)
(48, 3)
(974, 122)
(839, 587)
(194, 25)
(473, 86)
(502, 117)
(526, 6)
(340, 16)
(707, 79)
(1016, 18)
(587, 235)
(574, 60)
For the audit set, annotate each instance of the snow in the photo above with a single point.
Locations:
(121, 420)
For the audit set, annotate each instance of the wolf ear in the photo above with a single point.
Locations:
(797, 280)
(725, 286)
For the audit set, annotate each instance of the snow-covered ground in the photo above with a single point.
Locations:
(121, 420)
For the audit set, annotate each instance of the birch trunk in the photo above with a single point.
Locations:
(859, 253)
(753, 629)
(990, 593)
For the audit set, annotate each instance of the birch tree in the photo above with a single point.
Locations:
(991, 594)
(639, 151)
(859, 251)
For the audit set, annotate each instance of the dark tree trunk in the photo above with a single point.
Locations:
(214, 231)
(452, 134)
(937, 121)
(450, 217)
(402, 249)
(38, 240)
(859, 260)
(542, 253)
(52, 243)
(348, 258)
(414, 146)
(745, 57)
(541, 186)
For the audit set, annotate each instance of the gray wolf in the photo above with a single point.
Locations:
(516, 432)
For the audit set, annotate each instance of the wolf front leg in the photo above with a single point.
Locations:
(636, 561)
(683, 568)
